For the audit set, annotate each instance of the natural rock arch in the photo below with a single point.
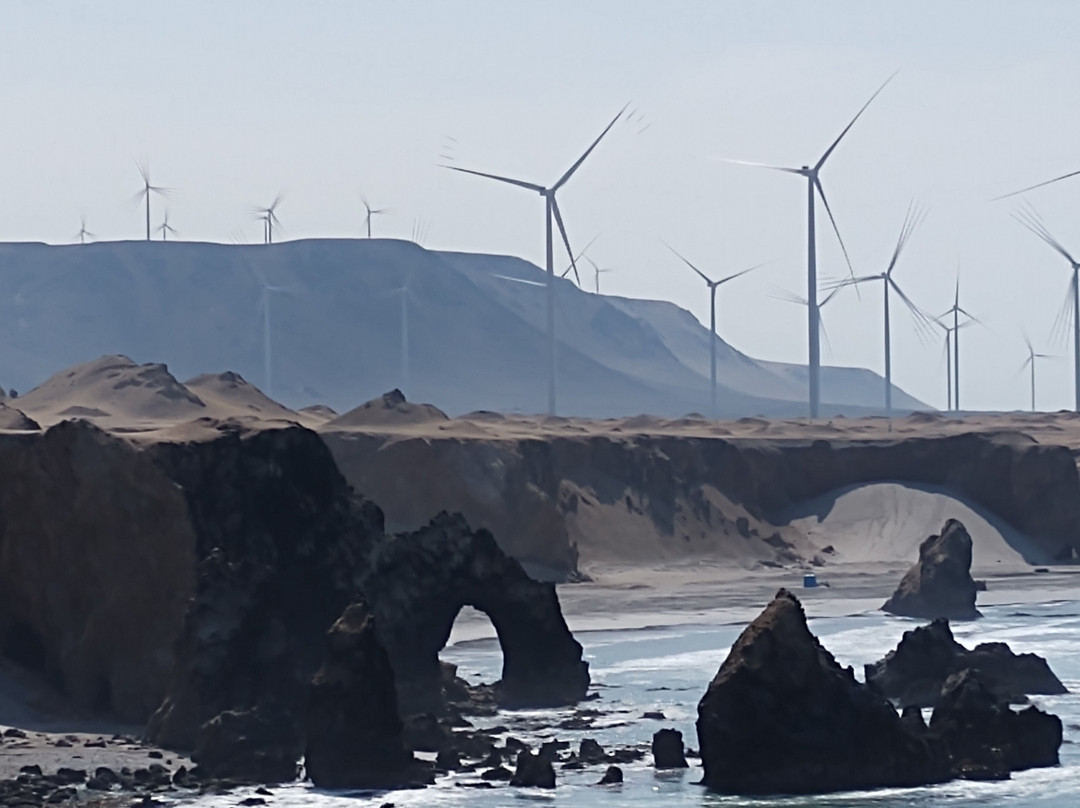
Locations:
(420, 582)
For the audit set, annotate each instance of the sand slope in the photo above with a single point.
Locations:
(390, 409)
(887, 521)
(229, 395)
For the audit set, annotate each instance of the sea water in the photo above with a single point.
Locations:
(668, 669)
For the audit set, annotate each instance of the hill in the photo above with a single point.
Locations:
(334, 311)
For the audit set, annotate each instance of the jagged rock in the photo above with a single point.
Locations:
(354, 734)
(261, 745)
(940, 583)
(590, 751)
(985, 738)
(420, 581)
(915, 671)
(667, 749)
(781, 716)
(424, 733)
(612, 776)
(283, 543)
(447, 760)
(533, 771)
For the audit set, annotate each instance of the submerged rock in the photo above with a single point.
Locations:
(354, 733)
(940, 583)
(533, 771)
(985, 738)
(914, 673)
(782, 716)
(612, 776)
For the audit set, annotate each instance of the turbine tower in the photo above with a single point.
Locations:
(815, 189)
(268, 216)
(83, 233)
(405, 293)
(1032, 221)
(956, 310)
(372, 212)
(268, 365)
(551, 212)
(598, 271)
(146, 191)
(165, 228)
(713, 286)
(912, 220)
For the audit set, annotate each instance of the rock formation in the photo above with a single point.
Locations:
(667, 749)
(354, 733)
(258, 745)
(782, 716)
(533, 771)
(985, 738)
(420, 581)
(914, 673)
(940, 583)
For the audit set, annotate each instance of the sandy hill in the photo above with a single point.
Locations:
(335, 318)
(229, 395)
(389, 409)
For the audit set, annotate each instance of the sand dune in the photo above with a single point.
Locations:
(229, 395)
(887, 521)
(391, 409)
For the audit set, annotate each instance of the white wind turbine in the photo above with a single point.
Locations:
(1030, 362)
(268, 216)
(815, 189)
(598, 271)
(165, 228)
(1033, 222)
(370, 212)
(146, 191)
(713, 286)
(922, 322)
(791, 297)
(83, 233)
(956, 310)
(551, 212)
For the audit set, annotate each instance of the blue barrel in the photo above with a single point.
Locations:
(809, 581)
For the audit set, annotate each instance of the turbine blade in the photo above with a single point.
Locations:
(912, 219)
(704, 277)
(824, 334)
(742, 272)
(1030, 219)
(786, 295)
(570, 171)
(847, 128)
(581, 252)
(1037, 185)
(821, 193)
(565, 238)
(921, 319)
(520, 183)
(763, 165)
(144, 171)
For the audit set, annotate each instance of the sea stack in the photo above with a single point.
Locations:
(940, 582)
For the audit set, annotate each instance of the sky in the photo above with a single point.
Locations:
(232, 103)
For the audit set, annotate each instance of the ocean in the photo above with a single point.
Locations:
(667, 669)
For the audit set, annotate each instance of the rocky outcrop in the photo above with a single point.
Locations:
(420, 581)
(259, 745)
(667, 749)
(914, 673)
(782, 716)
(284, 543)
(677, 495)
(985, 738)
(940, 583)
(533, 771)
(354, 733)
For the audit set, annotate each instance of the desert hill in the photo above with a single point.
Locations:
(334, 310)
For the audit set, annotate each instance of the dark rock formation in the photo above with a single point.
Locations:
(284, 542)
(260, 745)
(985, 738)
(354, 734)
(914, 673)
(667, 749)
(612, 776)
(781, 716)
(940, 583)
(590, 751)
(420, 581)
(533, 771)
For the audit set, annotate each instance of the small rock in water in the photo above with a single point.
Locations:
(611, 776)
(533, 771)
(656, 715)
(667, 749)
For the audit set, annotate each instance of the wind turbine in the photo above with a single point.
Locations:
(948, 362)
(370, 212)
(956, 310)
(83, 233)
(598, 271)
(268, 216)
(791, 297)
(1037, 185)
(713, 286)
(912, 220)
(165, 228)
(551, 212)
(814, 189)
(1031, 220)
(572, 266)
(1031, 361)
(145, 192)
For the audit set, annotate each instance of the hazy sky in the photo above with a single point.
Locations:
(232, 102)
